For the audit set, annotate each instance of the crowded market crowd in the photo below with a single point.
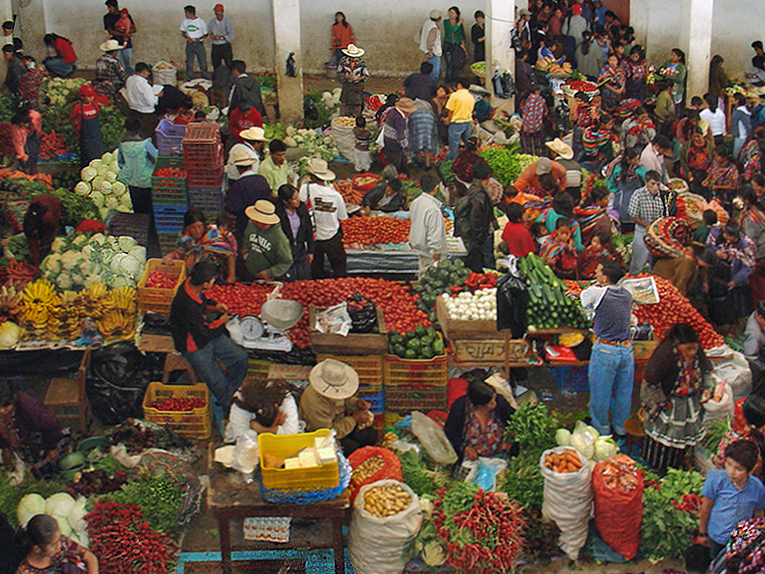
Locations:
(609, 171)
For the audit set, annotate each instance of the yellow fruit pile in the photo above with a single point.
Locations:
(10, 301)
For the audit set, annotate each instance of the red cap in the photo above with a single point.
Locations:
(87, 90)
(577, 9)
(218, 7)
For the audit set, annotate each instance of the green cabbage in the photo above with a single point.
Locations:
(126, 243)
(10, 334)
(59, 504)
(88, 173)
(563, 437)
(82, 189)
(30, 506)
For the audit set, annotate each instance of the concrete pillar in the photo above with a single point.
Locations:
(287, 40)
(699, 52)
(500, 16)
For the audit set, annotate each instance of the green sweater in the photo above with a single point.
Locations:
(268, 250)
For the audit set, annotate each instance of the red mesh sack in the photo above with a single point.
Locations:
(618, 511)
(373, 463)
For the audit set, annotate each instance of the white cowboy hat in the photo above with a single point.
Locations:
(334, 379)
(111, 45)
(281, 313)
(263, 212)
(320, 169)
(353, 51)
(561, 148)
(243, 157)
(254, 134)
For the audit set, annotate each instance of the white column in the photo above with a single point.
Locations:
(699, 51)
(500, 15)
(286, 40)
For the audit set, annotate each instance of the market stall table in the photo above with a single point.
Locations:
(229, 498)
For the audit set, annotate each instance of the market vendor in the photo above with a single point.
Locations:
(197, 324)
(110, 75)
(189, 247)
(136, 158)
(248, 187)
(29, 431)
(46, 550)
(328, 403)
(754, 334)
(262, 406)
(529, 177)
(678, 379)
(275, 168)
(16, 69)
(353, 71)
(253, 139)
(266, 250)
(85, 120)
(476, 423)
(386, 196)
(26, 133)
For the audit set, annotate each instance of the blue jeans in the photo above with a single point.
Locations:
(125, 56)
(458, 132)
(196, 49)
(435, 73)
(640, 254)
(58, 67)
(205, 364)
(611, 373)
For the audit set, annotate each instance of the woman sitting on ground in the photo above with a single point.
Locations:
(262, 406)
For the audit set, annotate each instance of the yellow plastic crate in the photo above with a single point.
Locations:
(415, 373)
(156, 299)
(195, 424)
(287, 446)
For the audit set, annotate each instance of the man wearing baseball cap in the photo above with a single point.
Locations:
(530, 176)
(221, 32)
(430, 43)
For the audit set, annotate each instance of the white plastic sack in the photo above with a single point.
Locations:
(382, 545)
(432, 437)
(720, 410)
(736, 371)
(344, 139)
(568, 501)
(164, 73)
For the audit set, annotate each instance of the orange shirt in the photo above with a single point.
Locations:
(529, 177)
(342, 36)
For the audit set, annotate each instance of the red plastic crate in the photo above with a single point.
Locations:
(206, 178)
(202, 147)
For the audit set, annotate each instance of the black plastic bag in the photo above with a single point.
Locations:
(309, 109)
(363, 314)
(503, 85)
(512, 300)
(117, 383)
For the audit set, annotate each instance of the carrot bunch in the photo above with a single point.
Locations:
(563, 462)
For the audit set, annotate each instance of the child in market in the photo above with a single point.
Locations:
(730, 495)
(48, 551)
(701, 233)
(219, 241)
(601, 245)
(559, 251)
(539, 232)
(85, 120)
(362, 161)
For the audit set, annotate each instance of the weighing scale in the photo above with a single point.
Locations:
(257, 333)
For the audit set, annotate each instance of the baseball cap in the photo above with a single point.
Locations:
(218, 7)
(524, 12)
(576, 9)
(87, 90)
(435, 14)
(544, 165)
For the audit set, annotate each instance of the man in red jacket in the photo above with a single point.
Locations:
(243, 118)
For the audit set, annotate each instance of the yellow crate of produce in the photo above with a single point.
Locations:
(194, 424)
(288, 446)
(415, 373)
(155, 299)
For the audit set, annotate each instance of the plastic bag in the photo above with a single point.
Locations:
(245, 454)
(432, 437)
(512, 299)
(618, 512)
(738, 374)
(389, 469)
(719, 410)
(382, 545)
(568, 502)
(484, 471)
(334, 319)
(363, 313)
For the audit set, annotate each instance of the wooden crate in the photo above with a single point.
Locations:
(644, 349)
(456, 330)
(354, 343)
(67, 400)
(153, 343)
(488, 351)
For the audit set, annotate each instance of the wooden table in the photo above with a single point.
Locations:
(229, 497)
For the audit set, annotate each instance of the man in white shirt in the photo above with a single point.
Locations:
(194, 30)
(428, 232)
(221, 35)
(430, 43)
(142, 98)
(654, 156)
(328, 211)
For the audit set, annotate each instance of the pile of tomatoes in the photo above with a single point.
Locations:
(398, 304)
(372, 230)
(170, 172)
(179, 404)
(161, 280)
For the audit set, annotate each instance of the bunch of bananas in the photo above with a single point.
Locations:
(39, 300)
(10, 301)
(94, 300)
(66, 319)
(118, 319)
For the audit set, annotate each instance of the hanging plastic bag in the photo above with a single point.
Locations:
(721, 409)
(512, 299)
(432, 437)
(382, 545)
(738, 374)
(568, 502)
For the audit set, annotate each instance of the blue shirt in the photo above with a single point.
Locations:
(731, 505)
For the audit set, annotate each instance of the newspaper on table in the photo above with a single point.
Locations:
(643, 290)
(335, 320)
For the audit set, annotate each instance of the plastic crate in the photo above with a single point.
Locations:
(169, 218)
(414, 374)
(168, 190)
(258, 370)
(205, 178)
(573, 379)
(286, 446)
(202, 147)
(167, 242)
(404, 401)
(136, 225)
(376, 399)
(155, 299)
(169, 137)
(369, 369)
(194, 424)
(208, 199)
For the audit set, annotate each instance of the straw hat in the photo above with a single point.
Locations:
(435, 14)
(560, 147)
(334, 379)
(353, 51)
(320, 169)
(243, 157)
(111, 45)
(263, 212)
(544, 165)
(254, 134)
(406, 105)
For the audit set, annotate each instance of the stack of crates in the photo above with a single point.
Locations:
(169, 196)
(414, 385)
(203, 157)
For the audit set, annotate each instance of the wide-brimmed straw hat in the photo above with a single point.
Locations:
(111, 45)
(353, 51)
(406, 105)
(320, 169)
(263, 212)
(334, 379)
(243, 157)
(560, 147)
(254, 134)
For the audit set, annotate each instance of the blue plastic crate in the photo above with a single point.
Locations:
(169, 137)
(209, 199)
(169, 218)
(377, 400)
(572, 379)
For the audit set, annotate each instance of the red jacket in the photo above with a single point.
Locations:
(237, 122)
